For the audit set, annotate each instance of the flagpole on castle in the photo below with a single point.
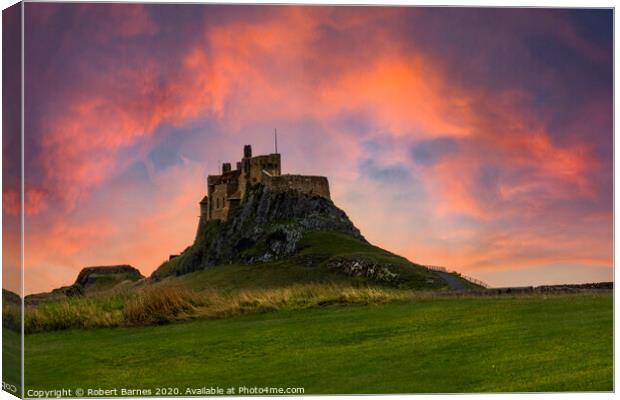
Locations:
(275, 136)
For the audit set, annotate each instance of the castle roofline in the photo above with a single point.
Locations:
(300, 175)
(225, 174)
(266, 155)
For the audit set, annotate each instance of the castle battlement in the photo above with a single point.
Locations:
(226, 191)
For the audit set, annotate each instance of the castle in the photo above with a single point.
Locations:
(226, 191)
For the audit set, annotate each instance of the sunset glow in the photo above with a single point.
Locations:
(477, 139)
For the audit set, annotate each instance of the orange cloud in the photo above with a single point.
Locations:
(284, 68)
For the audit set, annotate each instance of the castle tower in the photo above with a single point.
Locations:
(227, 190)
(247, 151)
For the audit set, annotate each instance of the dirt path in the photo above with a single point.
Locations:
(452, 281)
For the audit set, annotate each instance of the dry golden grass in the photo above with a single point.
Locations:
(71, 313)
(164, 302)
(11, 316)
(301, 296)
(159, 304)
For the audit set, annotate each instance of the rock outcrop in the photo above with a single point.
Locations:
(90, 280)
(268, 225)
(90, 276)
(359, 266)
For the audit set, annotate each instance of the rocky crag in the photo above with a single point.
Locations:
(267, 226)
(89, 280)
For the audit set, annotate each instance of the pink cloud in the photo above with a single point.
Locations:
(258, 72)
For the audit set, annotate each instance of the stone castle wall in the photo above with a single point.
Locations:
(312, 185)
(226, 191)
(217, 202)
(258, 164)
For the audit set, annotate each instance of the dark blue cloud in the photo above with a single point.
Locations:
(429, 152)
(595, 25)
(167, 148)
(358, 122)
(386, 174)
(488, 180)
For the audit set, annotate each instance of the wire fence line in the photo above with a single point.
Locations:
(449, 271)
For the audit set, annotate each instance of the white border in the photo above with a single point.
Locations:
(466, 3)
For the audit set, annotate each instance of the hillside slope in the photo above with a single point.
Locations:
(321, 257)
(282, 238)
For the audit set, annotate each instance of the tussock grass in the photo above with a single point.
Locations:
(11, 311)
(160, 304)
(165, 302)
(11, 317)
(74, 313)
(296, 297)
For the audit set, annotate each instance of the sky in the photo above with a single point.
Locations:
(476, 139)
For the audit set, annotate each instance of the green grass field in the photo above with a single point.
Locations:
(300, 322)
(11, 357)
(452, 344)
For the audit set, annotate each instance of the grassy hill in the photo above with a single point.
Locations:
(280, 238)
(310, 321)
(288, 293)
(455, 344)
(277, 250)
(315, 262)
(329, 267)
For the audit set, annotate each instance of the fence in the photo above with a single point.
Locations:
(467, 278)
(437, 268)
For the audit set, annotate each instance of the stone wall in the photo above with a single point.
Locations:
(313, 185)
(218, 203)
(269, 163)
(226, 191)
